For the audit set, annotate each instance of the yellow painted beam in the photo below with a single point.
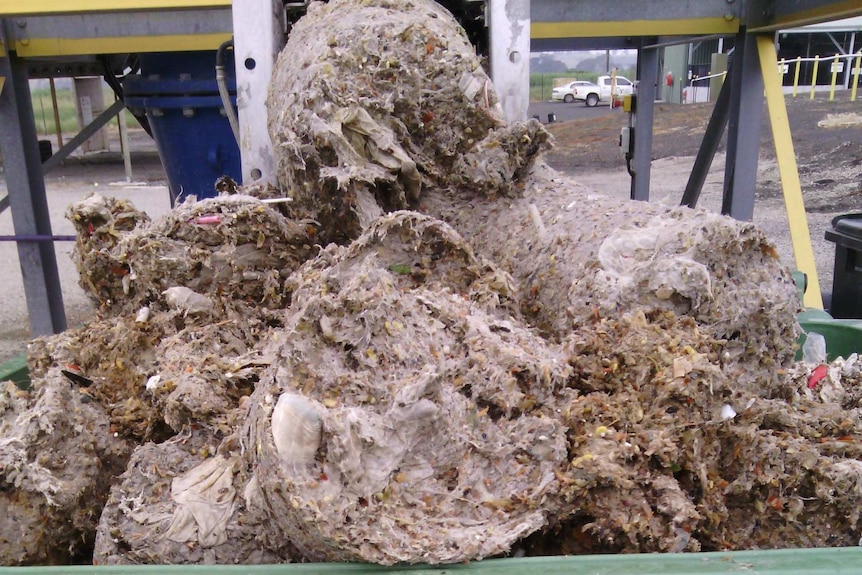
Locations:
(855, 79)
(784, 153)
(119, 45)
(832, 11)
(2, 81)
(674, 27)
(47, 7)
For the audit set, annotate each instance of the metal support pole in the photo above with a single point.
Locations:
(89, 103)
(57, 127)
(258, 28)
(647, 74)
(124, 144)
(28, 201)
(708, 146)
(509, 30)
(743, 131)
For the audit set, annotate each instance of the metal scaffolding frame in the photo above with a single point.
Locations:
(27, 199)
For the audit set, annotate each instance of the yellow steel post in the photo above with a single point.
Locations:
(796, 75)
(786, 158)
(855, 78)
(814, 75)
(834, 78)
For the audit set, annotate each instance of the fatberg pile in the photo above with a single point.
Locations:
(406, 69)
(670, 453)
(374, 103)
(225, 244)
(166, 372)
(576, 255)
(58, 458)
(405, 418)
(548, 372)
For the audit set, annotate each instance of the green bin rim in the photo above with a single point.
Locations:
(16, 370)
(816, 561)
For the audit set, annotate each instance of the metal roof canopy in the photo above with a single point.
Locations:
(54, 37)
(71, 27)
(845, 25)
(118, 32)
(774, 15)
(51, 7)
(587, 24)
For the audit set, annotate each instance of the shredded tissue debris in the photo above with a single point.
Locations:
(439, 350)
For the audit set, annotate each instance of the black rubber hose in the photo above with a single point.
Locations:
(222, 50)
(221, 81)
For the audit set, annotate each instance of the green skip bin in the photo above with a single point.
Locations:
(843, 337)
(835, 561)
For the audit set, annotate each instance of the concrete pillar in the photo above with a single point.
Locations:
(718, 64)
(90, 102)
(675, 63)
(509, 29)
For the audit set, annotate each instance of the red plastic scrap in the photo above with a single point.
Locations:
(817, 375)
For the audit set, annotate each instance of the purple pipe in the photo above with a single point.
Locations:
(36, 238)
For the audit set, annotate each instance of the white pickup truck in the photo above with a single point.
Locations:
(602, 90)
